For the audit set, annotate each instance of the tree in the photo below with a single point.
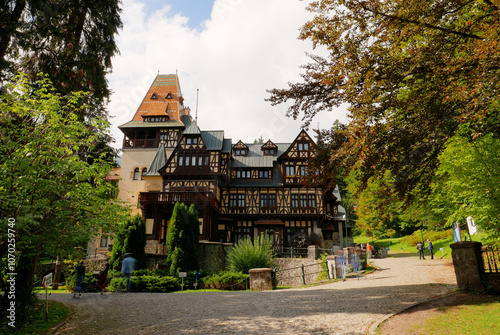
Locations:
(411, 71)
(468, 183)
(55, 199)
(182, 239)
(130, 239)
(73, 41)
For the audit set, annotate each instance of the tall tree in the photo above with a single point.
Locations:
(131, 238)
(73, 41)
(55, 199)
(182, 239)
(412, 72)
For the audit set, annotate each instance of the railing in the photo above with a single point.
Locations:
(149, 143)
(491, 259)
(173, 197)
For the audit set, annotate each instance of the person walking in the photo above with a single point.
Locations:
(80, 276)
(128, 266)
(430, 247)
(420, 248)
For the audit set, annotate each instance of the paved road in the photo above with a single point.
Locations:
(348, 307)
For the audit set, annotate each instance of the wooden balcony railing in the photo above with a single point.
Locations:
(146, 198)
(150, 143)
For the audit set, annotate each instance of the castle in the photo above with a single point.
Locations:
(240, 189)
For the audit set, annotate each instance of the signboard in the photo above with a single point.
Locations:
(471, 225)
(183, 274)
(47, 280)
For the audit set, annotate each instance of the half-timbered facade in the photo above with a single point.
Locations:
(239, 189)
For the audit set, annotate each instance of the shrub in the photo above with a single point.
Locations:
(145, 283)
(246, 255)
(414, 238)
(230, 281)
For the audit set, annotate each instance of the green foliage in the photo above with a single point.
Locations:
(72, 41)
(130, 239)
(225, 280)
(182, 239)
(246, 255)
(419, 236)
(468, 183)
(36, 322)
(58, 199)
(145, 281)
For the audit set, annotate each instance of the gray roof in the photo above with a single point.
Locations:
(336, 193)
(192, 129)
(159, 161)
(256, 158)
(213, 139)
(227, 145)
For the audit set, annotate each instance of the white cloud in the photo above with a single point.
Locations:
(244, 48)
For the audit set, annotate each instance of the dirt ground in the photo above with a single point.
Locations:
(402, 323)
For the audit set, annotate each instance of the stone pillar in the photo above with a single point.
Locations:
(332, 266)
(468, 264)
(260, 279)
(312, 252)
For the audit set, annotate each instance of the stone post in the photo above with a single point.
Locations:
(260, 279)
(312, 252)
(468, 264)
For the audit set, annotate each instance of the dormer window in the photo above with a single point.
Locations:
(153, 96)
(169, 96)
(240, 149)
(269, 149)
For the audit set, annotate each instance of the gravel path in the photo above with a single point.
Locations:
(348, 307)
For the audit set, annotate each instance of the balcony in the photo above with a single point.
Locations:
(170, 198)
(147, 143)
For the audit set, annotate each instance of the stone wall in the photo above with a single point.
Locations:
(289, 271)
(469, 268)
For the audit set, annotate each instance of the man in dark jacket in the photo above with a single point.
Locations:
(430, 247)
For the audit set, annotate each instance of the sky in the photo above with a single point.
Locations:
(232, 51)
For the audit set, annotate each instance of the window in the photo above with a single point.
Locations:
(303, 146)
(192, 140)
(188, 140)
(136, 174)
(144, 171)
(237, 200)
(193, 160)
(268, 200)
(290, 170)
(187, 160)
(263, 174)
(301, 170)
(207, 159)
(269, 152)
(312, 200)
(303, 200)
(243, 174)
(295, 200)
(104, 242)
(200, 160)
(181, 160)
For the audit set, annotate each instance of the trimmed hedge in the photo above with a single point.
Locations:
(145, 283)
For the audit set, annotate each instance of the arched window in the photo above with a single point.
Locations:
(136, 174)
(144, 171)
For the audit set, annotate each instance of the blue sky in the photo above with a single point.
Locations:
(196, 10)
(233, 51)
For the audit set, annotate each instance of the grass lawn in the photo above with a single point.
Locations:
(36, 321)
(469, 318)
(400, 247)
